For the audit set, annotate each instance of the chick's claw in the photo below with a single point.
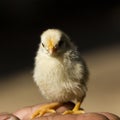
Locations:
(49, 108)
(76, 110)
(43, 111)
(73, 112)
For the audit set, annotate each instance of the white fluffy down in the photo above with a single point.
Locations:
(52, 77)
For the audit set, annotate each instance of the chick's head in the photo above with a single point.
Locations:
(54, 42)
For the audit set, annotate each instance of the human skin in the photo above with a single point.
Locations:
(25, 114)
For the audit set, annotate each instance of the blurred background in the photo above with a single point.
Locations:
(93, 25)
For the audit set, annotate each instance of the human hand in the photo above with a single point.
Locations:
(25, 114)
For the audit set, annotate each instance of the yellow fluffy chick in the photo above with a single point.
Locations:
(60, 72)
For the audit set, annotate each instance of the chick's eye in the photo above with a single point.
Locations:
(60, 43)
(43, 45)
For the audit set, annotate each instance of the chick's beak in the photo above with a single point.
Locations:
(51, 47)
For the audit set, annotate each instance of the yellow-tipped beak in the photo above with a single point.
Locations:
(50, 46)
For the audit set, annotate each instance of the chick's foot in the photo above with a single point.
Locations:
(49, 108)
(75, 110)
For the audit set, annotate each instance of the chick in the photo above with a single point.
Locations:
(60, 72)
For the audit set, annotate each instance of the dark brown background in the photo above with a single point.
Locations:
(90, 24)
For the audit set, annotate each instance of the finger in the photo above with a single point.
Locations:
(86, 116)
(25, 113)
(111, 116)
(7, 116)
(62, 108)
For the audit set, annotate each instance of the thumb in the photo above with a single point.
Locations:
(8, 116)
